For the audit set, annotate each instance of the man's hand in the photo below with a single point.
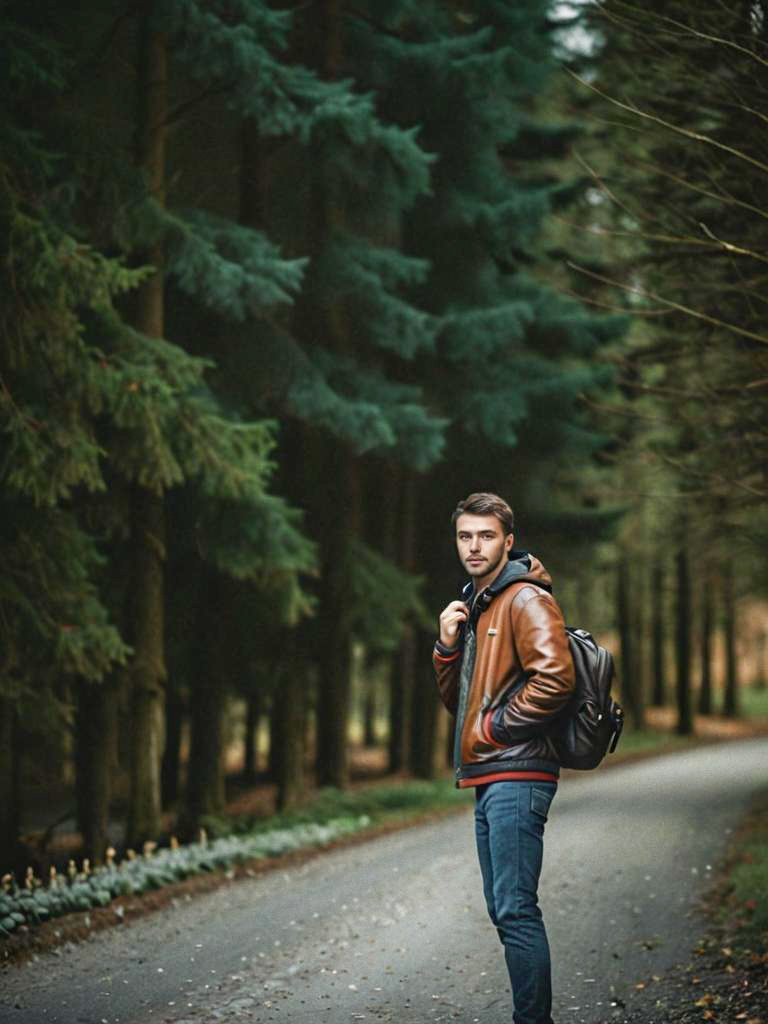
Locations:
(451, 618)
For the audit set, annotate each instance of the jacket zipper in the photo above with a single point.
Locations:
(465, 679)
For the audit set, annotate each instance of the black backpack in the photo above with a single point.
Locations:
(591, 724)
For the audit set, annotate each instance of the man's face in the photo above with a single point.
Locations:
(482, 546)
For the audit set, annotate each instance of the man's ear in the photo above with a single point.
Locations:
(509, 542)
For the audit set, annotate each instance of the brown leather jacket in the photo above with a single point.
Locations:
(510, 674)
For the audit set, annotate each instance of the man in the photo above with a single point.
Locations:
(504, 670)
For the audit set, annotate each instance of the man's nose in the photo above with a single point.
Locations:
(474, 544)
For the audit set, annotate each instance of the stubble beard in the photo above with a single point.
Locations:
(485, 568)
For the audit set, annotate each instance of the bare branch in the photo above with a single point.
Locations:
(604, 188)
(690, 31)
(586, 300)
(677, 129)
(722, 197)
(714, 243)
(183, 109)
(642, 293)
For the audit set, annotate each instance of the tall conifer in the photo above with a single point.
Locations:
(514, 356)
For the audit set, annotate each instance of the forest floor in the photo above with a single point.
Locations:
(726, 979)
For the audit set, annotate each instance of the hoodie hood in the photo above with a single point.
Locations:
(521, 566)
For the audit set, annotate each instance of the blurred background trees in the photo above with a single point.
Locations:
(279, 287)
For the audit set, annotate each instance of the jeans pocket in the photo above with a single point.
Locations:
(540, 801)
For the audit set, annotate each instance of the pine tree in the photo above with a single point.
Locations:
(154, 421)
(58, 295)
(330, 372)
(514, 356)
(353, 327)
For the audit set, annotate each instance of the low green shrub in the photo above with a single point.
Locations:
(378, 802)
(226, 841)
(34, 902)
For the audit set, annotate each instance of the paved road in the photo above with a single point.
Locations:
(394, 930)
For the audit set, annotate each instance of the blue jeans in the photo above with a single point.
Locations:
(509, 827)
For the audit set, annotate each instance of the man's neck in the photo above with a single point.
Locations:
(485, 581)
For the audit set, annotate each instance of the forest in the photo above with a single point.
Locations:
(281, 283)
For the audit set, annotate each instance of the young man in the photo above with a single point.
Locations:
(504, 670)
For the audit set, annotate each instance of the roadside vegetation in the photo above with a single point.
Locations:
(742, 903)
(224, 843)
(726, 980)
(232, 840)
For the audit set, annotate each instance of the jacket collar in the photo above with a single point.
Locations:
(521, 566)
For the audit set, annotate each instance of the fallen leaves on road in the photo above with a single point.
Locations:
(707, 999)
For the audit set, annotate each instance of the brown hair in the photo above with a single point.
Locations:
(482, 503)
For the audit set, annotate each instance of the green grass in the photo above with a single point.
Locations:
(384, 803)
(754, 702)
(745, 903)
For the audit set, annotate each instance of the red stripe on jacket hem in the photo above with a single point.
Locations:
(442, 657)
(480, 780)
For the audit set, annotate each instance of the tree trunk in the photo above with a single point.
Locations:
(426, 756)
(252, 724)
(147, 670)
(683, 644)
(705, 648)
(275, 747)
(174, 727)
(96, 727)
(657, 602)
(10, 789)
(146, 586)
(333, 629)
(403, 676)
(289, 711)
(205, 775)
(335, 667)
(401, 701)
(342, 503)
(630, 683)
(731, 690)
(369, 703)
(205, 792)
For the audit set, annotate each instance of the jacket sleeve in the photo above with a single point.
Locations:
(545, 657)
(447, 662)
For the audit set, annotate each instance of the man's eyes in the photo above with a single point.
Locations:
(482, 536)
